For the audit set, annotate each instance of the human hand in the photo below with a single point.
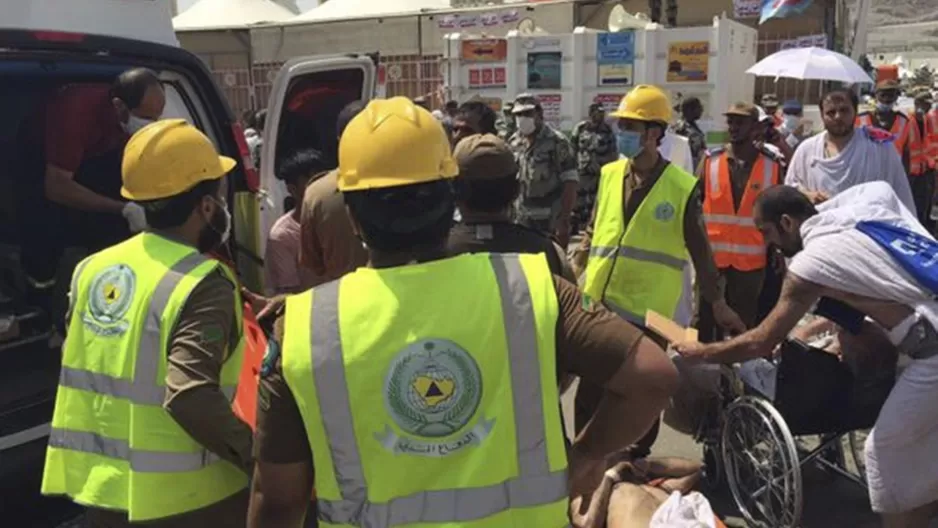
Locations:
(816, 197)
(135, 215)
(562, 232)
(692, 351)
(727, 318)
(586, 472)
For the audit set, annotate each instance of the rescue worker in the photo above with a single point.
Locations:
(770, 104)
(143, 429)
(733, 175)
(646, 227)
(594, 145)
(794, 128)
(547, 171)
(486, 189)
(415, 408)
(907, 141)
(506, 122)
(926, 120)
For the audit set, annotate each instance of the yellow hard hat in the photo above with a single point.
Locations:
(645, 103)
(169, 157)
(393, 142)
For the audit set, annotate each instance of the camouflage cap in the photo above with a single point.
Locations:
(484, 157)
(744, 110)
(525, 102)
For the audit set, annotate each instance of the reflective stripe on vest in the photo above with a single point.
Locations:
(931, 137)
(140, 391)
(638, 254)
(734, 238)
(535, 485)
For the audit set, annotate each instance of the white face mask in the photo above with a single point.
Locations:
(135, 123)
(226, 234)
(791, 122)
(525, 125)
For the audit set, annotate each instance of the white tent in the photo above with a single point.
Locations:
(230, 14)
(358, 9)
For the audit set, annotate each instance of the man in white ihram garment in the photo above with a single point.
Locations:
(866, 249)
(843, 156)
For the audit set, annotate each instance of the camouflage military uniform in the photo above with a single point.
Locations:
(594, 147)
(696, 138)
(543, 168)
(506, 127)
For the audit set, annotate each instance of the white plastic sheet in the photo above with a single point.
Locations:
(684, 511)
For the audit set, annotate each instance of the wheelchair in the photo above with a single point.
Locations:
(759, 445)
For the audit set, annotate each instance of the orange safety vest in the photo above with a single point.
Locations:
(931, 137)
(734, 238)
(906, 133)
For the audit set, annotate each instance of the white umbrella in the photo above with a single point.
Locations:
(811, 63)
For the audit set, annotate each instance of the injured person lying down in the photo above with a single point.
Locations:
(865, 249)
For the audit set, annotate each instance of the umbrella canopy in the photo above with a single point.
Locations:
(811, 63)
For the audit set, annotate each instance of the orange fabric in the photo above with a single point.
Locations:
(734, 238)
(245, 401)
(906, 133)
(931, 138)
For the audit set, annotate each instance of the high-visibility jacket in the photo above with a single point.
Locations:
(734, 238)
(931, 137)
(423, 410)
(112, 444)
(638, 267)
(906, 133)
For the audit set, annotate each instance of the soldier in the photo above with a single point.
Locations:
(594, 144)
(506, 123)
(547, 171)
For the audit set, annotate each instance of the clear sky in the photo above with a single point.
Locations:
(304, 4)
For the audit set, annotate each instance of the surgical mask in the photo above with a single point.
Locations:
(791, 122)
(525, 125)
(629, 143)
(214, 235)
(135, 123)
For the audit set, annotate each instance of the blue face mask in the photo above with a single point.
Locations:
(629, 143)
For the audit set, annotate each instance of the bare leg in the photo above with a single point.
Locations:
(918, 518)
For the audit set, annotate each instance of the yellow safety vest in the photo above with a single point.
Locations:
(429, 394)
(112, 445)
(638, 267)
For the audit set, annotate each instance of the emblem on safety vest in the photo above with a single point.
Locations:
(664, 211)
(432, 391)
(112, 292)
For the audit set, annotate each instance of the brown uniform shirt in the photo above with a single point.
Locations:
(591, 342)
(634, 192)
(198, 348)
(508, 237)
(328, 245)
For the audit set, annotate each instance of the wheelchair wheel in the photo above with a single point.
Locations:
(762, 466)
(857, 440)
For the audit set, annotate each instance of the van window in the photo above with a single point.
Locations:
(310, 111)
(176, 107)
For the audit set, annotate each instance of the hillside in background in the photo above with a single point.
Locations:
(892, 12)
(903, 26)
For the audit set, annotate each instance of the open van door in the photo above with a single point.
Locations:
(307, 96)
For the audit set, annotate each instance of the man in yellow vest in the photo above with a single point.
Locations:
(423, 389)
(143, 429)
(733, 175)
(647, 226)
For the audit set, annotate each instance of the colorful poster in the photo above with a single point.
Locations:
(615, 56)
(544, 69)
(484, 50)
(610, 102)
(688, 61)
(747, 8)
(782, 8)
(487, 77)
(551, 103)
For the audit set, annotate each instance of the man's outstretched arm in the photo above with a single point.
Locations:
(797, 297)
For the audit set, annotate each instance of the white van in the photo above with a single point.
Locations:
(46, 44)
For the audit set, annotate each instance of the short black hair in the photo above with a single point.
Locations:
(260, 119)
(486, 115)
(406, 217)
(690, 102)
(303, 164)
(452, 105)
(779, 200)
(347, 114)
(488, 196)
(167, 213)
(841, 93)
(132, 85)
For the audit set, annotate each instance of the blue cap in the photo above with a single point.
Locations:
(792, 106)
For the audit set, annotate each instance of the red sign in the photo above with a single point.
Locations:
(610, 102)
(484, 50)
(500, 77)
(475, 78)
(487, 77)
